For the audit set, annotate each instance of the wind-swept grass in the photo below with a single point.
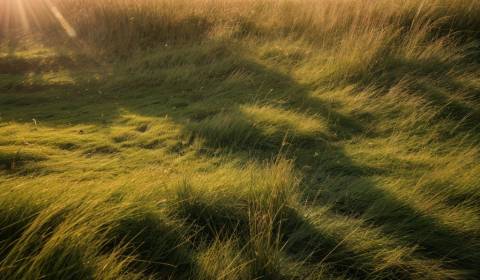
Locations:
(242, 139)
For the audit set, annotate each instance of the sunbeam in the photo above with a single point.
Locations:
(61, 19)
(23, 15)
(18, 16)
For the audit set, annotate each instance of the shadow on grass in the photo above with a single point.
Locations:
(225, 218)
(212, 111)
(435, 82)
(159, 247)
(358, 197)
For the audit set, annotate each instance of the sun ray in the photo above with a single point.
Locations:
(33, 12)
(6, 18)
(61, 19)
(23, 15)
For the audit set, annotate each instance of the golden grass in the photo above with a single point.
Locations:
(240, 139)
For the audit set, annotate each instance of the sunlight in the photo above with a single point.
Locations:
(5, 14)
(25, 14)
(61, 19)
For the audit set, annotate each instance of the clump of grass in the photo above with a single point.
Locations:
(58, 242)
(12, 160)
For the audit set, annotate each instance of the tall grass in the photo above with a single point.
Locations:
(239, 139)
(123, 24)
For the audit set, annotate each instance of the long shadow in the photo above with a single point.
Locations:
(359, 197)
(303, 241)
(398, 219)
(431, 80)
(160, 248)
(214, 114)
(26, 94)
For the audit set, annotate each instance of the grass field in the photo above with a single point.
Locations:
(239, 139)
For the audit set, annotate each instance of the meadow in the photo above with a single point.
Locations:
(239, 139)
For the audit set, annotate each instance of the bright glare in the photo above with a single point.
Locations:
(25, 14)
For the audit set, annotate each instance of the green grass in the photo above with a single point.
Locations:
(266, 140)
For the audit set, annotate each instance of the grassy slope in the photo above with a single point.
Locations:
(264, 141)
